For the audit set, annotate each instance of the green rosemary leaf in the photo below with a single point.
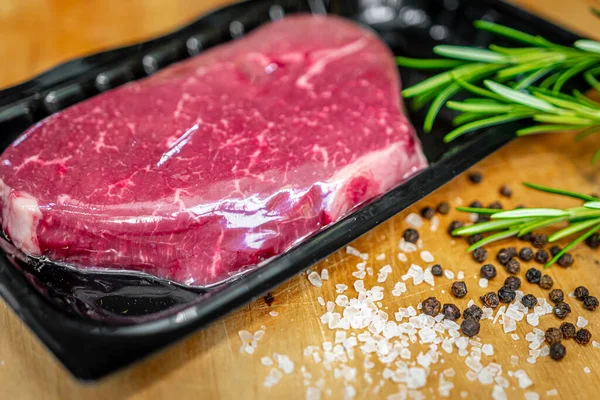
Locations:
(466, 118)
(572, 244)
(561, 192)
(588, 45)
(584, 100)
(532, 78)
(421, 100)
(538, 224)
(510, 33)
(549, 81)
(516, 50)
(587, 132)
(591, 79)
(470, 54)
(571, 72)
(543, 129)
(520, 98)
(573, 228)
(485, 123)
(569, 103)
(519, 69)
(488, 226)
(592, 204)
(478, 210)
(435, 63)
(596, 11)
(493, 238)
(563, 119)
(479, 91)
(531, 212)
(439, 80)
(485, 108)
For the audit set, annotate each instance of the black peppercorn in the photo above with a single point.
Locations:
(484, 218)
(526, 237)
(506, 295)
(470, 327)
(583, 336)
(474, 238)
(513, 282)
(427, 212)
(476, 204)
(437, 270)
(475, 177)
(556, 295)
(590, 303)
(562, 310)
(459, 289)
(513, 267)
(526, 254)
(473, 312)
(557, 351)
(453, 226)
(479, 254)
(431, 306)
(539, 241)
(269, 299)
(451, 312)
(512, 251)
(490, 300)
(488, 271)
(568, 330)
(529, 301)
(546, 282)
(553, 335)
(443, 208)
(505, 191)
(566, 260)
(554, 250)
(541, 256)
(503, 256)
(411, 235)
(593, 241)
(581, 292)
(533, 275)
(496, 205)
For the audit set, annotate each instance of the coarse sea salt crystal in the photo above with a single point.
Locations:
(514, 360)
(324, 274)
(341, 288)
(414, 220)
(532, 396)
(434, 223)
(448, 274)
(470, 303)
(353, 251)
(273, 378)
(427, 256)
(245, 336)
(552, 392)
(273, 313)
(402, 257)
(380, 257)
(488, 349)
(498, 393)
(514, 336)
(509, 324)
(571, 295)
(595, 344)
(523, 379)
(587, 370)
(407, 247)
(581, 322)
(533, 319)
(266, 361)
(460, 275)
(399, 288)
(313, 393)
(315, 279)
(483, 283)
(321, 300)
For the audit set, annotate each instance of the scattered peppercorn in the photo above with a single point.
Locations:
(590, 303)
(431, 306)
(583, 336)
(496, 205)
(593, 241)
(488, 271)
(505, 191)
(553, 335)
(512, 251)
(562, 310)
(581, 292)
(556, 295)
(546, 282)
(554, 250)
(526, 254)
(566, 260)
(453, 226)
(557, 351)
(459, 289)
(479, 254)
(526, 237)
(503, 256)
(411, 235)
(470, 327)
(513, 267)
(269, 299)
(475, 177)
(529, 301)
(427, 212)
(437, 270)
(541, 256)
(473, 312)
(490, 300)
(568, 330)
(451, 312)
(443, 208)
(484, 218)
(472, 239)
(533, 275)
(476, 204)
(539, 241)
(506, 295)
(513, 282)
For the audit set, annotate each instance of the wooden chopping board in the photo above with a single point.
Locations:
(208, 365)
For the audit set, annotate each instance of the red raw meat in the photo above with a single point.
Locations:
(217, 163)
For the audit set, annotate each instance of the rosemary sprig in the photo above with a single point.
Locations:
(511, 84)
(520, 221)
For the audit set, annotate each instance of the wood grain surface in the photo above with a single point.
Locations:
(37, 34)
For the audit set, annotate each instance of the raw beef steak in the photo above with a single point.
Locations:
(218, 162)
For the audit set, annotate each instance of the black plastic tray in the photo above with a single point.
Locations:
(62, 306)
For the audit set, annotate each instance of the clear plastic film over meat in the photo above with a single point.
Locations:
(217, 163)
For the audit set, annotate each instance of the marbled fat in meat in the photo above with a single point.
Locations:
(216, 163)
